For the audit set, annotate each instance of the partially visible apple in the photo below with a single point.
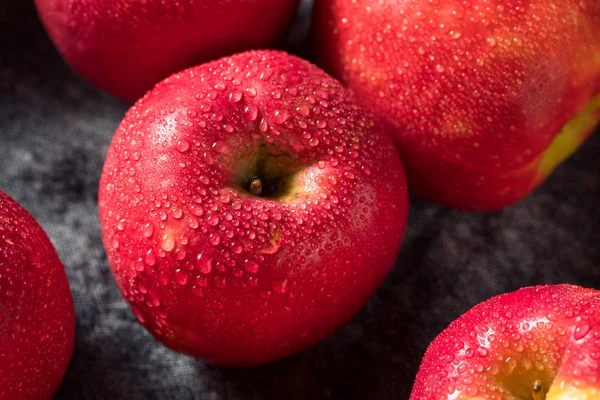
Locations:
(484, 98)
(126, 46)
(250, 207)
(538, 343)
(37, 320)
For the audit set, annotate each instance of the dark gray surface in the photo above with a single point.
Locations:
(54, 133)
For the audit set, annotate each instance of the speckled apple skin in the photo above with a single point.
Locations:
(127, 46)
(496, 350)
(474, 91)
(236, 279)
(37, 320)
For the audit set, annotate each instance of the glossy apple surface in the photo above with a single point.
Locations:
(126, 46)
(538, 343)
(250, 207)
(37, 320)
(484, 98)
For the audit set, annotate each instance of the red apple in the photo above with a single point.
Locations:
(484, 98)
(533, 344)
(249, 208)
(126, 46)
(37, 320)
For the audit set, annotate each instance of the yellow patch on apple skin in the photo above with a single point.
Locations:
(569, 139)
(564, 391)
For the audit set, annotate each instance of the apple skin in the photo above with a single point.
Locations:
(475, 93)
(127, 46)
(37, 319)
(233, 278)
(499, 348)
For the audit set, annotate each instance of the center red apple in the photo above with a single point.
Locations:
(250, 207)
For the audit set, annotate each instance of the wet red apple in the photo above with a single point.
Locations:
(538, 343)
(37, 320)
(250, 207)
(484, 98)
(126, 46)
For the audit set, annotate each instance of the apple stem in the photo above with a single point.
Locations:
(537, 393)
(255, 187)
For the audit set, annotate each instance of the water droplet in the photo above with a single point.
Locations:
(263, 125)
(281, 286)
(182, 146)
(251, 266)
(177, 213)
(236, 248)
(215, 239)
(181, 277)
(281, 116)
(220, 282)
(212, 220)
(168, 242)
(204, 264)
(35, 262)
(236, 97)
(148, 230)
(482, 351)
(581, 331)
(251, 112)
(150, 258)
(122, 224)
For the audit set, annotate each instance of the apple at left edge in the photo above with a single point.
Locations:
(537, 343)
(37, 319)
(249, 208)
(126, 46)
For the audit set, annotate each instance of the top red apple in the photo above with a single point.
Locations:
(476, 92)
(126, 46)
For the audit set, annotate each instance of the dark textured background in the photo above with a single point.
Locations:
(54, 133)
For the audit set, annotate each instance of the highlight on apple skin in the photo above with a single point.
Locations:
(538, 343)
(37, 319)
(249, 208)
(127, 46)
(484, 98)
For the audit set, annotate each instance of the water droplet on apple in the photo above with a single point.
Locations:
(148, 230)
(220, 282)
(181, 277)
(236, 97)
(122, 224)
(281, 116)
(35, 262)
(212, 220)
(215, 239)
(251, 266)
(581, 331)
(168, 242)
(251, 112)
(182, 146)
(150, 258)
(280, 286)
